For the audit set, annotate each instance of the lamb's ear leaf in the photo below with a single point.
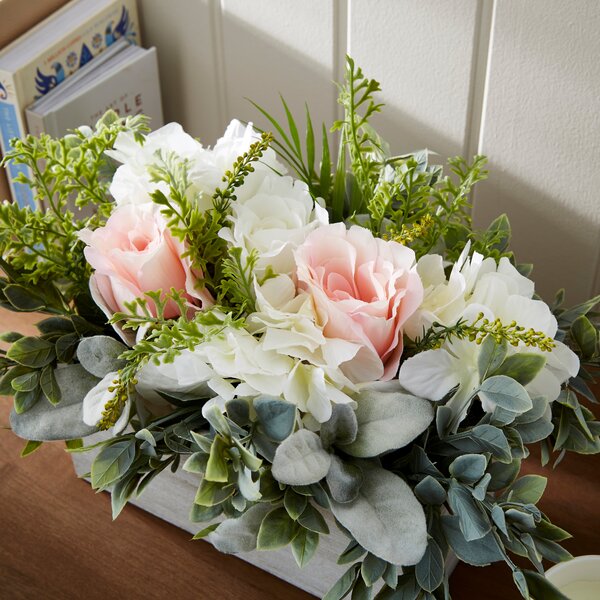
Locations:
(46, 422)
(341, 428)
(387, 421)
(276, 417)
(241, 534)
(301, 459)
(386, 518)
(344, 480)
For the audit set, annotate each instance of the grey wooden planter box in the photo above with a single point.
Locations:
(170, 496)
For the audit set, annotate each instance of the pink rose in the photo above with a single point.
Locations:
(135, 253)
(364, 289)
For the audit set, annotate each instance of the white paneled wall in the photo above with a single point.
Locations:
(518, 81)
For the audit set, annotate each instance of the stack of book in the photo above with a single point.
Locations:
(68, 70)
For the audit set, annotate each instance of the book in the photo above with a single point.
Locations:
(17, 17)
(47, 55)
(124, 78)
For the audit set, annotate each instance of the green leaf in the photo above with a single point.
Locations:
(49, 385)
(210, 493)
(111, 463)
(46, 422)
(430, 569)
(479, 552)
(25, 401)
(310, 142)
(473, 521)
(482, 438)
(201, 514)
(586, 336)
(6, 388)
(430, 491)
(468, 468)
(352, 552)
(491, 356)
(301, 459)
(23, 299)
(304, 546)
(551, 550)
(386, 518)
(238, 410)
(295, 504)
(506, 393)
(250, 460)
(343, 585)
(325, 173)
(344, 480)
(121, 492)
(372, 569)
(241, 534)
(32, 352)
(276, 530)
(341, 428)
(540, 588)
(387, 421)
(99, 354)
(27, 382)
(527, 489)
(30, 447)
(276, 417)
(205, 532)
(522, 367)
(66, 345)
(312, 519)
(361, 591)
(216, 467)
(499, 519)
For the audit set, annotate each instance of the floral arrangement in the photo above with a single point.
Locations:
(307, 336)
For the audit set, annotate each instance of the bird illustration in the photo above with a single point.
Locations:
(44, 83)
(122, 28)
(86, 56)
(3, 92)
(109, 36)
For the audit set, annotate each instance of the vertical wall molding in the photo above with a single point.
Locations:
(216, 14)
(482, 54)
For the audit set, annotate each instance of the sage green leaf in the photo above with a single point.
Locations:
(304, 546)
(210, 493)
(430, 491)
(480, 490)
(430, 569)
(121, 492)
(372, 569)
(276, 417)
(537, 411)
(295, 504)
(98, 355)
(503, 474)
(344, 480)
(301, 459)
(390, 576)
(535, 432)
(49, 385)
(25, 400)
(352, 552)
(386, 518)
(552, 551)
(527, 489)
(212, 413)
(32, 352)
(499, 519)
(387, 421)
(491, 356)
(312, 519)
(468, 468)
(482, 438)
(276, 530)
(343, 585)
(112, 463)
(205, 532)
(216, 467)
(361, 591)
(506, 393)
(479, 552)
(522, 367)
(238, 410)
(241, 534)
(46, 422)
(540, 588)
(341, 428)
(473, 521)
(586, 336)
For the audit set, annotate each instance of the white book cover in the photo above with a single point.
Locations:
(47, 55)
(126, 82)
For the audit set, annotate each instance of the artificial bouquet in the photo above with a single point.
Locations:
(303, 338)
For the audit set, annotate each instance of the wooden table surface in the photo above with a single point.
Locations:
(58, 540)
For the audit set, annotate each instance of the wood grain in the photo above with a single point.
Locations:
(59, 542)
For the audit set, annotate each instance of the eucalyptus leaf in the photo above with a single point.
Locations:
(343, 585)
(372, 569)
(506, 393)
(522, 367)
(468, 468)
(276, 417)
(301, 459)
(480, 552)
(491, 356)
(387, 421)
(430, 491)
(540, 588)
(430, 569)
(46, 422)
(527, 489)
(386, 518)
(111, 463)
(99, 354)
(239, 535)
(473, 521)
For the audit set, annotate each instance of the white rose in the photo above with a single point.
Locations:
(274, 222)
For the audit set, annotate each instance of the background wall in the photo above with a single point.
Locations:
(517, 81)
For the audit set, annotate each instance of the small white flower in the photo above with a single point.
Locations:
(98, 397)
(274, 222)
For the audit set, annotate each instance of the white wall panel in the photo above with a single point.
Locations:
(423, 55)
(184, 33)
(283, 47)
(541, 131)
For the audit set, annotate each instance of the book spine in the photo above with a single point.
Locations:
(12, 126)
